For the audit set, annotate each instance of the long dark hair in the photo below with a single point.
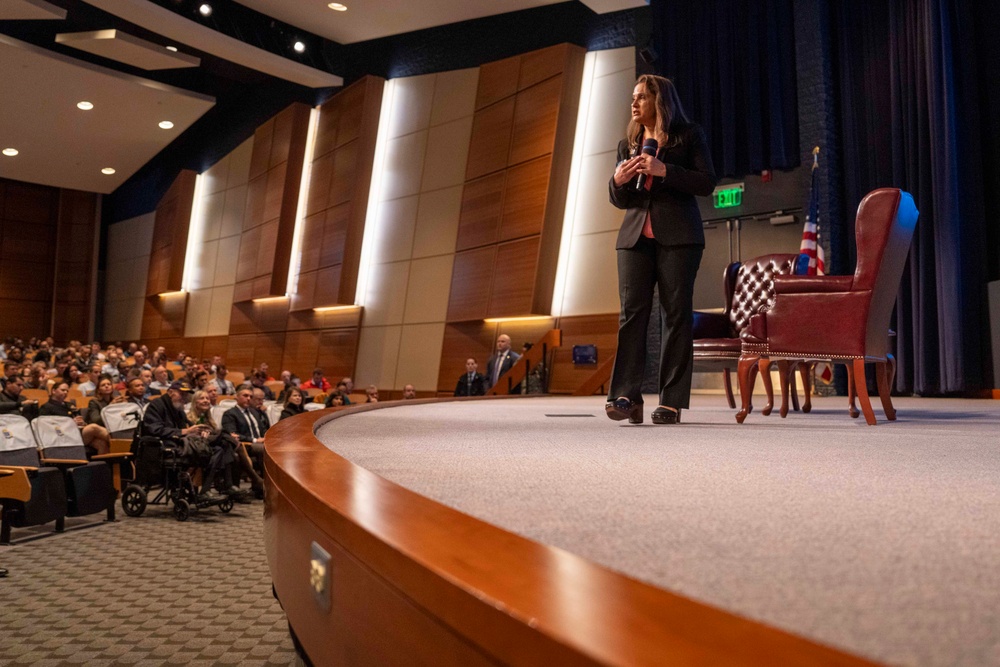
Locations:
(668, 109)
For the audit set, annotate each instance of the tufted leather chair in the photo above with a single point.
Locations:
(844, 318)
(749, 290)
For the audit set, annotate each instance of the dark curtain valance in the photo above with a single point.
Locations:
(733, 62)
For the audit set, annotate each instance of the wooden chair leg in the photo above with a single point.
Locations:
(727, 381)
(882, 376)
(793, 390)
(784, 380)
(861, 387)
(764, 368)
(852, 409)
(745, 373)
(805, 370)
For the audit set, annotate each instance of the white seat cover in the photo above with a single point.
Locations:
(15, 434)
(121, 416)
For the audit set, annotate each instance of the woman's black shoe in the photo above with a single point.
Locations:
(662, 415)
(622, 408)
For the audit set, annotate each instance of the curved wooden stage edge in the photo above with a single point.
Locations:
(411, 581)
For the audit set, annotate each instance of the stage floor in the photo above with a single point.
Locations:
(882, 541)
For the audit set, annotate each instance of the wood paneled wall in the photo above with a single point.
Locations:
(334, 226)
(75, 287)
(163, 316)
(46, 260)
(272, 197)
(516, 178)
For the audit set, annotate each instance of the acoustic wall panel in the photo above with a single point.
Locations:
(516, 178)
(416, 224)
(590, 280)
(337, 198)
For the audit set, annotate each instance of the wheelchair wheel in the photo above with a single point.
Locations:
(226, 506)
(181, 510)
(134, 500)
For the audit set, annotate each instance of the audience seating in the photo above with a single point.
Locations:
(91, 486)
(236, 378)
(844, 318)
(35, 494)
(40, 395)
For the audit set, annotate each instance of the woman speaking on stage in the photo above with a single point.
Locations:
(663, 163)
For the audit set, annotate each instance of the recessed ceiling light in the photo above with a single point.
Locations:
(205, 9)
(337, 7)
(86, 106)
(172, 48)
(299, 47)
(10, 152)
(108, 170)
(166, 124)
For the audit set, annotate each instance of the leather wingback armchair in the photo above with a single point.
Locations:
(844, 318)
(749, 289)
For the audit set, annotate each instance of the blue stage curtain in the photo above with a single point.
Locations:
(908, 98)
(733, 62)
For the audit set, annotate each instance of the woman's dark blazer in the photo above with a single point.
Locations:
(674, 213)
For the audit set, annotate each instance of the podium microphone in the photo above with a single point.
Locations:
(649, 148)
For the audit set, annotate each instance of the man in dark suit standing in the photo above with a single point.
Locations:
(501, 362)
(472, 383)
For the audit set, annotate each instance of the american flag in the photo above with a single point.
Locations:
(810, 261)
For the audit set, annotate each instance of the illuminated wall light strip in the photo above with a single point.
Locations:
(300, 210)
(371, 215)
(525, 318)
(165, 295)
(269, 299)
(561, 286)
(195, 234)
(330, 309)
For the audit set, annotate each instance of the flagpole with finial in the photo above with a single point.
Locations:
(815, 157)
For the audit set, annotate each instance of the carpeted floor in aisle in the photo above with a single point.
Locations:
(144, 591)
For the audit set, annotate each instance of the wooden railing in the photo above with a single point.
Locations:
(369, 571)
(538, 354)
(598, 379)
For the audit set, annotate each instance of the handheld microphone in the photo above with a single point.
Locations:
(649, 147)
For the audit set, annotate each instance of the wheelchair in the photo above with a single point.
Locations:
(162, 467)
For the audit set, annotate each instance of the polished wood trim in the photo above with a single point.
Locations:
(598, 380)
(512, 600)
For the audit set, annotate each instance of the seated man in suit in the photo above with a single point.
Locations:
(241, 420)
(247, 423)
(472, 383)
(12, 402)
(501, 362)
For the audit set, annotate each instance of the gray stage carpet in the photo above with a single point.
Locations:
(884, 541)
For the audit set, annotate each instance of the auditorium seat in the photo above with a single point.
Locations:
(34, 494)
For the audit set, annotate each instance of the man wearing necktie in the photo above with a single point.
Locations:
(241, 419)
(472, 383)
(501, 362)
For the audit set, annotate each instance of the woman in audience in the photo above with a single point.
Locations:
(201, 413)
(104, 395)
(336, 399)
(293, 403)
(94, 437)
(37, 377)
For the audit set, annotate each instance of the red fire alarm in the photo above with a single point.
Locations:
(765, 176)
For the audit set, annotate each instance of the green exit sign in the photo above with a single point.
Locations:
(728, 196)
